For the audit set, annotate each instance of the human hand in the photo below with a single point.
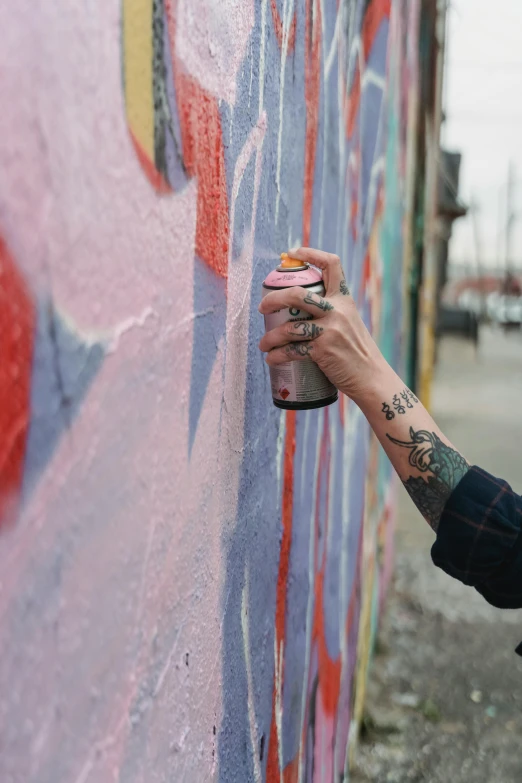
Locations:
(336, 339)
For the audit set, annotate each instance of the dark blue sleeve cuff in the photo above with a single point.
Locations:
(479, 538)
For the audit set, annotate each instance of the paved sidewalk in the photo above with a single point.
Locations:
(445, 701)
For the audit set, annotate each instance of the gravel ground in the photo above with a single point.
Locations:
(445, 696)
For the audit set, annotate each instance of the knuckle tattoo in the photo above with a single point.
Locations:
(295, 350)
(306, 329)
(321, 303)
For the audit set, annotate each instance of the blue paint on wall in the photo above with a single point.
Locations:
(64, 366)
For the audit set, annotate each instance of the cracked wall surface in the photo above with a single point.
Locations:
(190, 579)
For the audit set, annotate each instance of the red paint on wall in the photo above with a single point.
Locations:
(17, 320)
(352, 104)
(329, 668)
(376, 13)
(156, 179)
(204, 157)
(291, 771)
(272, 773)
(354, 217)
(312, 93)
(278, 27)
(365, 278)
(272, 767)
(288, 506)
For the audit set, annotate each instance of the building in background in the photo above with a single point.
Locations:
(450, 319)
(422, 272)
(192, 579)
(450, 209)
(422, 251)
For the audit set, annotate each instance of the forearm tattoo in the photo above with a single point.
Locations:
(321, 303)
(307, 329)
(443, 469)
(295, 350)
(402, 402)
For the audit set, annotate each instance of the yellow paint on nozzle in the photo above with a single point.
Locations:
(290, 263)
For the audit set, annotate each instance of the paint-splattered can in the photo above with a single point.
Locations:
(298, 385)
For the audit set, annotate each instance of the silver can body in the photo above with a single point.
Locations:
(298, 385)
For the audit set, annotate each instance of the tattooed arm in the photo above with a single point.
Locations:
(339, 342)
(428, 465)
(477, 517)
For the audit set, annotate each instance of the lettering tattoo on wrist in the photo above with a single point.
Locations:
(442, 468)
(402, 402)
(321, 303)
(307, 329)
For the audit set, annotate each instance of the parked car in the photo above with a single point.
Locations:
(505, 310)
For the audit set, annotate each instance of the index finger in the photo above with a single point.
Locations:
(329, 263)
(296, 297)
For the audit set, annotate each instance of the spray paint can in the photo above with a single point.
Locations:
(298, 385)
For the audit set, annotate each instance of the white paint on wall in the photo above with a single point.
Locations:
(212, 40)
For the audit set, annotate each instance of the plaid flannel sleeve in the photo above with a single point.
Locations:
(479, 538)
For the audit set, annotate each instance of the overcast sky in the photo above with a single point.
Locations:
(483, 103)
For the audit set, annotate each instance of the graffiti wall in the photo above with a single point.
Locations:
(190, 579)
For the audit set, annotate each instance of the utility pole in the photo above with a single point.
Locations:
(500, 227)
(510, 217)
(475, 210)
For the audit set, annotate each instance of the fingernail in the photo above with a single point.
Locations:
(294, 250)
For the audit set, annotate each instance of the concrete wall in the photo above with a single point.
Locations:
(190, 579)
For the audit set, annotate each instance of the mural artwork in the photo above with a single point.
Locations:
(191, 579)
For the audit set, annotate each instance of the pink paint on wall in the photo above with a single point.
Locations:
(171, 604)
(101, 551)
(211, 42)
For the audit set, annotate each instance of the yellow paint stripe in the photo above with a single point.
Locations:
(137, 59)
